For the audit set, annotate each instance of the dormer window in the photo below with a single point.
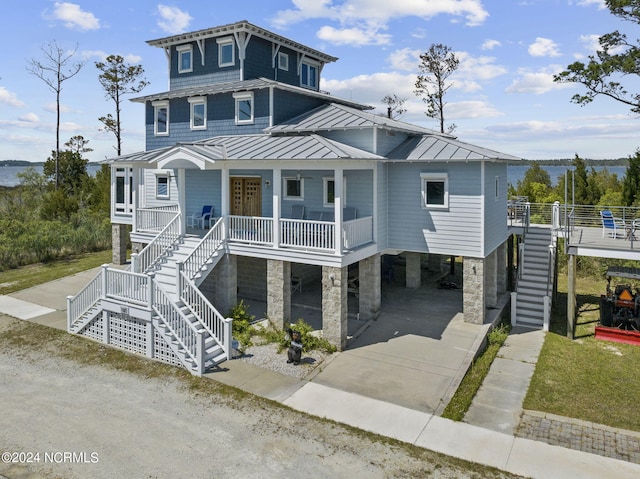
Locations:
(226, 52)
(161, 118)
(198, 112)
(244, 107)
(309, 75)
(185, 58)
(283, 61)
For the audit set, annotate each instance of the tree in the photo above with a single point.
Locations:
(54, 70)
(437, 65)
(69, 165)
(535, 185)
(618, 57)
(395, 105)
(631, 184)
(118, 78)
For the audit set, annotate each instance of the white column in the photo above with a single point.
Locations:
(276, 184)
(338, 189)
(182, 199)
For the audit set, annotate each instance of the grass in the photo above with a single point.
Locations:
(461, 400)
(27, 276)
(585, 378)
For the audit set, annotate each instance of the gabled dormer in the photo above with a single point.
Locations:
(237, 52)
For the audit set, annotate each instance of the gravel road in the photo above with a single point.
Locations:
(89, 419)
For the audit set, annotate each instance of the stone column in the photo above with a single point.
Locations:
(413, 272)
(119, 237)
(279, 292)
(225, 284)
(334, 305)
(370, 281)
(491, 279)
(473, 294)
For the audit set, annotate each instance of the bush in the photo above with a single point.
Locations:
(242, 329)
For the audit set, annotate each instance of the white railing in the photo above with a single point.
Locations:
(357, 232)
(213, 322)
(127, 286)
(153, 220)
(79, 304)
(307, 234)
(211, 243)
(251, 229)
(144, 260)
(190, 340)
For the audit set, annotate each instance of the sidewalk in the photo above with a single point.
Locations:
(46, 304)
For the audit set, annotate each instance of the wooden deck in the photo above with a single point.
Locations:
(586, 241)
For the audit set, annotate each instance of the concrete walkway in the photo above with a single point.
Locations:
(334, 398)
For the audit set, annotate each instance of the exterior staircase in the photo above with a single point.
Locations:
(157, 308)
(535, 277)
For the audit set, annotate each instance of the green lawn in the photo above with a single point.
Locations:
(587, 379)
(24, 277)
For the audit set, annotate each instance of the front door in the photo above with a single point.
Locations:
(246, 196)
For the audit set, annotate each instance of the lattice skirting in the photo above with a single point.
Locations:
(130, 333)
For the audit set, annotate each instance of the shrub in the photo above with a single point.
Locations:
(242, 329)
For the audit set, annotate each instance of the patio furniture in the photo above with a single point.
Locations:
(616, 226)
(348, 213)
(296, 284)
(297, 212)
(203, 218)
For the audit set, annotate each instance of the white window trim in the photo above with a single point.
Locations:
(284, 188)
(221, 43)
(159, 175)
(283, 61)
(156, 106)
(424, 179)
(180, 50)
(325, 191)
(193, 101)
(308, 63)
(243, 96)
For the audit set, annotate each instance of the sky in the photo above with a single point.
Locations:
(502, 95)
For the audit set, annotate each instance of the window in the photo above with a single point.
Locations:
(185, 58)
(198, 113)
(329, 192)
(294, 188)
(497, 181)
(162, 186)
(124, 190)
(226, 52)
(244, 107)
(283, 61)
(161, 118)
(435, 190)
(309, 75)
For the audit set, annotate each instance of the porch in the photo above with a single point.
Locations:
(302, 235)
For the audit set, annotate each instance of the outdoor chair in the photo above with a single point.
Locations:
(615, 226)
(297, 212)
(204, 218)
(348, 213)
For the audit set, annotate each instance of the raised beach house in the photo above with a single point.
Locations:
(255, 183)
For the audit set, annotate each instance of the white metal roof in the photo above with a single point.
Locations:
(341, 117)
(237, 27)
(245, 85)
(438, 148)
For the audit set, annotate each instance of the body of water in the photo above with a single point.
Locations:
(9, 174)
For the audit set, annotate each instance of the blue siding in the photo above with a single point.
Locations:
(258, 62)
(205, 74)
(149, 199)
(288, 105)
(382, 200)
(203, 188)
(362, 139)
(495, 216)
(289, 76)
(455, 231)
(388, 140)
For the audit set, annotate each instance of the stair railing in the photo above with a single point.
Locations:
(188, 338)
(211, 243)
(79, 304)
(213, 322)
(150, 254)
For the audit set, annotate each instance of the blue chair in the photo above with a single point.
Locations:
(297, 212)
(616, 226)
(203, 219)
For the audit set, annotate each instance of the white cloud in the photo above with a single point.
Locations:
(537, 82)
(406, 59)
(481, 68)
(490, 44)
(376, 13)
(353, 36)
(591, 43)
(9, 98)
(173, 20)
(74, 17)
(101, 55)
(598, 3)
(543, 47)
(29, 118)
(470, 109)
